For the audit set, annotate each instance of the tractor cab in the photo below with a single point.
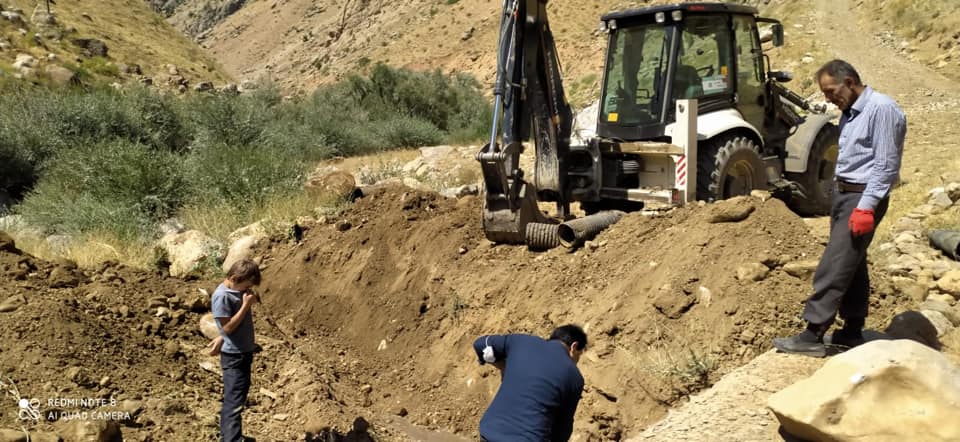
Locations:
(710, 52)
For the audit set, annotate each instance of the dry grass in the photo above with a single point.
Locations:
(353, 164)
(133, 33)
(87, 250)
(276, 216)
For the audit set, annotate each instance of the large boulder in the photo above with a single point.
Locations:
(208, 326)
(60, 75)
(92, 47)
(880, 391)
(336, 184)
(240, 249)
(189, 251)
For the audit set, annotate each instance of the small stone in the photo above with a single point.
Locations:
(752, 272)
(800, 269)
(343, 225)
(950, 283)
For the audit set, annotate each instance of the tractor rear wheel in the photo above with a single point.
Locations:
(817, 182)
(729, 166)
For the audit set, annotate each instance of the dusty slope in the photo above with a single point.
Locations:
(132, 32)
(303, 43)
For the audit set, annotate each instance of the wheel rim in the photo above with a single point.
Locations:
(739, 179)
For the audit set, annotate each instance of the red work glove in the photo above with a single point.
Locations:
(861, 222)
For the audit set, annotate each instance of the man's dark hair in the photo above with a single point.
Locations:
(243, 271)
(840, 70)
(568, 334)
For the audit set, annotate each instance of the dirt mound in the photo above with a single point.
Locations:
(131, 338)
(373, 312)
(402, 283)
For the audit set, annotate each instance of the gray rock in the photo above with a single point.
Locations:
(92, 47)
(939, 198)
(953, 191)
(61, 76)
(13, 17)
(948, 311)
(24, 61)
(203, 86)
(939, 321)
(461, 191)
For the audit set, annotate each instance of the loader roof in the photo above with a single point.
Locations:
(686, 7)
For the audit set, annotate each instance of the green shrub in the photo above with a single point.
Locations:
(119, 186)
(404, 131)
(101, 66)
(241, 176)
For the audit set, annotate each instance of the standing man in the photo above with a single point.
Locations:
(872, 130)
(540, 386)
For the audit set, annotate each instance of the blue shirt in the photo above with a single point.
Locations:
(539, 393)
(871, 146)
(226, 303)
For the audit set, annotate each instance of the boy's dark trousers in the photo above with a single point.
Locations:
(236, 383)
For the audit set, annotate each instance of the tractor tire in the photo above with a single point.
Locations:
(817, 182)
(728, 167)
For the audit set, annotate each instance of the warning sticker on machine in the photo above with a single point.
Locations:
(716, 83)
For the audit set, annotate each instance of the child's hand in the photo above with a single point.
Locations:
(213, 348)
(250, 297)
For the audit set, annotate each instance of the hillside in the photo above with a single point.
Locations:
(303, 43)
(112, 40)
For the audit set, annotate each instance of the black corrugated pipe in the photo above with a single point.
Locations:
(542, 236)
(948, 241)
(575, 232)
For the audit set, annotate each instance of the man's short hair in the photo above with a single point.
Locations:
(840, 70)
(568, 334)
(244, 270)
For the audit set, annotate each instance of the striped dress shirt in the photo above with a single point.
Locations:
(871, 146)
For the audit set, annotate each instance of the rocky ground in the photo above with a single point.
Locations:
(370, 312)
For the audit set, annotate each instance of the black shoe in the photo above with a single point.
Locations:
(847, 338)
(807, 343)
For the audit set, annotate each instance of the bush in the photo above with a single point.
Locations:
(241, 176)
(119, 186)
(230, 120)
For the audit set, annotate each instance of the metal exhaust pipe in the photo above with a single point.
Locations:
(575, 232)
(948, 241)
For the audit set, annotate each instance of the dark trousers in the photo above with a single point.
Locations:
(236, 383)
(842, 282)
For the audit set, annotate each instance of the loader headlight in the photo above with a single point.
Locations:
(677, 15)
(612, 25)
(660, 17)
(603, 26)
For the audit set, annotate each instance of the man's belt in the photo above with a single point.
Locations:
(845, 187)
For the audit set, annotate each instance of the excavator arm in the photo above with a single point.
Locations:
(528, 101)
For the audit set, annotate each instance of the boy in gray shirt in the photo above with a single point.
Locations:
(232, 306)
